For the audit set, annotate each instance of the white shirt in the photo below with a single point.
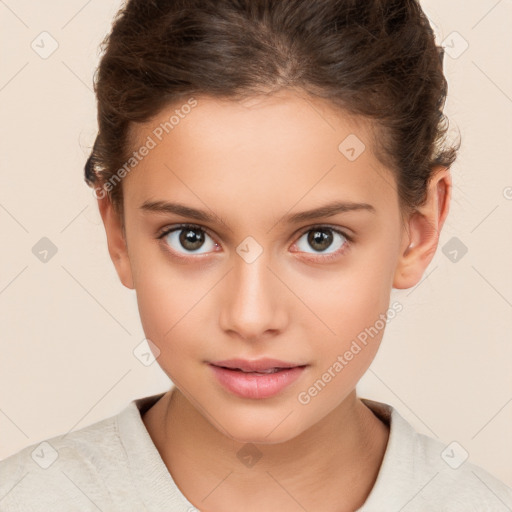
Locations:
(113, 465)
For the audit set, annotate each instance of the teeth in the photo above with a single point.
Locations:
(270, 370)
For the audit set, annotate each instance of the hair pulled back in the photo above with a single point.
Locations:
(377, 59)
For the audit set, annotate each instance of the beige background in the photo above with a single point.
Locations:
(69, 328)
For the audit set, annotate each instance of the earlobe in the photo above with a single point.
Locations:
(116, 241)
(420, 242)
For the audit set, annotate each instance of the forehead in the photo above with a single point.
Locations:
(287, 147)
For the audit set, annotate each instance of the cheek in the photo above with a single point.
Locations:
(350, 306)
(356, 311)
(161, 301)
(173, 305)
(346, 300)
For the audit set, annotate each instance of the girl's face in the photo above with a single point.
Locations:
(249, 281)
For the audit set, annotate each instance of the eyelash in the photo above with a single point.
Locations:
(328, 257)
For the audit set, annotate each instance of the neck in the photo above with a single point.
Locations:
(341, 452)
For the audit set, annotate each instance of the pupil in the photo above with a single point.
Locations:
(322, 238)
(191, 239)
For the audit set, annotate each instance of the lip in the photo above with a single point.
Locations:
(255, 365)
(256, 385)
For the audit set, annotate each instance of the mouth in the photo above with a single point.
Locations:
(264, 365)
(256, 379)
(261, 372)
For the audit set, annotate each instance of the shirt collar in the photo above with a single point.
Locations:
(158, 489)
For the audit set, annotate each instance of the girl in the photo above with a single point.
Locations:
(266, 171)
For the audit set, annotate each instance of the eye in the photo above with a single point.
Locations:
(188, 237)
(321, 238)
(191, 239)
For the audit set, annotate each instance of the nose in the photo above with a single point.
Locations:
(253, 304)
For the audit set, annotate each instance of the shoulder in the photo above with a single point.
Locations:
(77, 469)
(453, 482)
(420, 473)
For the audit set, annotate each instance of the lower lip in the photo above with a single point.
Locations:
(256, 385)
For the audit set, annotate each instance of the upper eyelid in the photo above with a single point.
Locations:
(337, 229)
(178, 227)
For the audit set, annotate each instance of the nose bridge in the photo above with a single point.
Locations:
(251, 304)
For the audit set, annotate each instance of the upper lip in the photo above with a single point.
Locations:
(255, 365)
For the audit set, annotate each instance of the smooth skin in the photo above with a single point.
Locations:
(250, 163)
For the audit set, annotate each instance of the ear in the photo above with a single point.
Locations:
(420, 241)
(116, 240)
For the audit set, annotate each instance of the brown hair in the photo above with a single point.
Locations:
(377, 59)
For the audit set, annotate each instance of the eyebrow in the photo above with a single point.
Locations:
(326, 210)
